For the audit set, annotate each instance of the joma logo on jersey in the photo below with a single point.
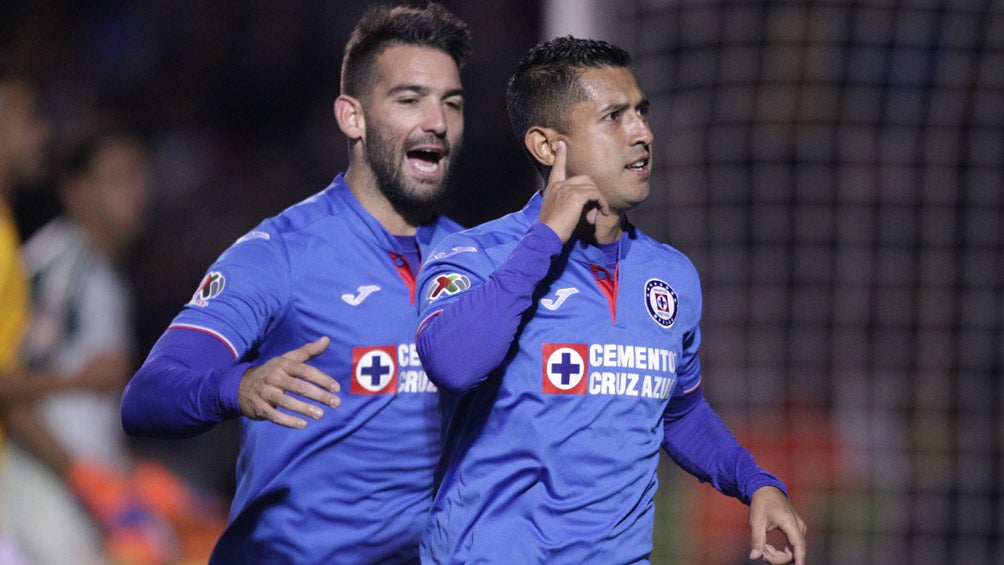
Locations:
(211, 286)
(448, 284)
(374, 370)
(565, 368)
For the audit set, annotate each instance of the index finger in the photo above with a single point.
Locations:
(558, 167)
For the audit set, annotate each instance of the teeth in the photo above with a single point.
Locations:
(425, 166)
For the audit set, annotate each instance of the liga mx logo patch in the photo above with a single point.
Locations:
(565, 368)
(446, 285)
(374, 370)
(211, 286)
(661, 301)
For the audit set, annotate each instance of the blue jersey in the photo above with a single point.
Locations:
(354, 486)
(551, 458)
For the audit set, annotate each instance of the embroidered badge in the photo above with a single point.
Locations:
(661, 302)
(448, 284)
(211, 286)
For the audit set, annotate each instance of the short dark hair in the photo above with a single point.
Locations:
(383, 26)
(546, 81)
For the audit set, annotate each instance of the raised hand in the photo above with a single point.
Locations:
(264, 388)
(568, 200)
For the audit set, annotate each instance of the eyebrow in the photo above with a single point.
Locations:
(423, 90)
(610, 108)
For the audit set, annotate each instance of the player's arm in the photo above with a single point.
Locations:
(462, 339)
(699, 441)
(18, 387)
(190, 382)
(187, 385)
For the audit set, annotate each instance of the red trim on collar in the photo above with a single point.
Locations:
(403, 269)
(608, 284)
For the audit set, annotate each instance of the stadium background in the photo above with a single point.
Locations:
(835, 169)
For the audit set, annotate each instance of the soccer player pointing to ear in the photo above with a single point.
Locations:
(566, 349)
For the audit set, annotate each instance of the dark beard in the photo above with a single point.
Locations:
(416, 208)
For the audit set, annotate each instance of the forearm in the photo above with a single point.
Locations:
(464, 341)
(16, 390)
(28, 430)
(699, 441)
(187, 385)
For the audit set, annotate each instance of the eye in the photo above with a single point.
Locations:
(613, 116)
(456, 104)
(410, 101)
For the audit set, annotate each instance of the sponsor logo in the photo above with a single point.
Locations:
(562, 295)
(609, 369)
(454, 251)
(388, 369)
(447, 285)
(361, 293)
(211, 286)
(374, 370)
(565, 368)
(661, 302)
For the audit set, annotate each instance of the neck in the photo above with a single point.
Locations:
(606, 229)
(363, 186)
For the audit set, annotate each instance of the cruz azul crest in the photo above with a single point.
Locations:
(661, 302)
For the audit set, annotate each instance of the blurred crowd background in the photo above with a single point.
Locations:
(834, 168)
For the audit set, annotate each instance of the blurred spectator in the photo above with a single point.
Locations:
(24, 136)
(68, 447)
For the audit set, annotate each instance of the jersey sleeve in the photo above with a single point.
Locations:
(240, 294)
(190, 380)
(470, 310)
(699, 441)
(688, 373)
(187, 385)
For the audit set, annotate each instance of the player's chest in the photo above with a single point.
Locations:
(625, 339)
(589, 301)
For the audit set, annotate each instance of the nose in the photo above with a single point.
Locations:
(434, 119)
(640, 132)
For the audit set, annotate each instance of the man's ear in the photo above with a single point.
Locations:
(350, 118)
(539, 141)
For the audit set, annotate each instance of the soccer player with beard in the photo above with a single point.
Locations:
(304, 327)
